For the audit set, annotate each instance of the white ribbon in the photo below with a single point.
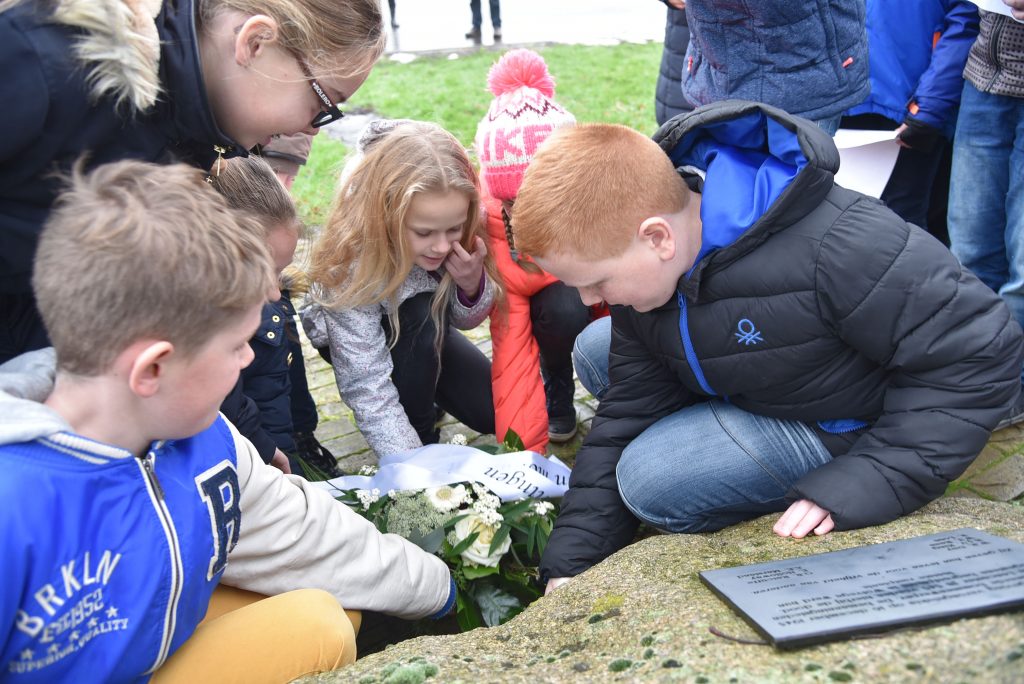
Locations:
(510, 476)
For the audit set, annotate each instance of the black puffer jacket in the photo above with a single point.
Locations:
(861, 317)
(668, 96)
(52, 115)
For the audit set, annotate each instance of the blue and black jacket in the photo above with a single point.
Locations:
(808, 302)
(913, 75)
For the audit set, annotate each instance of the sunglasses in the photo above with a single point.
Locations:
(330, 112)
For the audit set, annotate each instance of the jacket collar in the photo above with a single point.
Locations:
(184, 109)
(764, 170)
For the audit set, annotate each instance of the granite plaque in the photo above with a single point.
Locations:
(868, 589)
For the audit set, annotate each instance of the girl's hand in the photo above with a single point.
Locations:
(465, 268)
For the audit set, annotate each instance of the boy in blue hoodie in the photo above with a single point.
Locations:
(129, 499)
(778, 343)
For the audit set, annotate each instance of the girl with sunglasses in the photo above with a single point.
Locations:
(180, 80)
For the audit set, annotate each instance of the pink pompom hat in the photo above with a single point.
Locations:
(521, 116)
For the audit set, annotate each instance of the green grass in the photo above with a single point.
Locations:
(611, 84)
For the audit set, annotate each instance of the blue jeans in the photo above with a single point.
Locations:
(478, 17)
(986, 194)
(590, 356)
(735, 466)
(712, 465)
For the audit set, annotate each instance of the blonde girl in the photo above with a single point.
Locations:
(399, 265)
(190, 80)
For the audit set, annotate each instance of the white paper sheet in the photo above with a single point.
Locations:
(866, 159)
(997, 6)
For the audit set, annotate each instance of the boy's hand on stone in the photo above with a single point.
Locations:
(801, 518)
(280, 461)
(465, 268)
(554, 583)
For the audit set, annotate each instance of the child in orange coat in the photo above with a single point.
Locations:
(532, 337)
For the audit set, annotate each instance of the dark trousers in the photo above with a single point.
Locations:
(558, 316)
(478, 17)
(21, 328)
(459, 380)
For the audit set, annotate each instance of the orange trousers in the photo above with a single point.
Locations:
(248, 637)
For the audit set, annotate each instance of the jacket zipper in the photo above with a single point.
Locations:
(993, 53)
(156, 495)
(691, 353)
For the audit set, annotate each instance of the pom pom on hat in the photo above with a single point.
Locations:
(521, 116)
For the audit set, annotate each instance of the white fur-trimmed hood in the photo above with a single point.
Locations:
(119, 48)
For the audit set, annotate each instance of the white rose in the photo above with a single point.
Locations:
(478, 550)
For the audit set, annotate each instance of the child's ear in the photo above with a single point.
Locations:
(148, 367)
(254, 37)
(656, 233)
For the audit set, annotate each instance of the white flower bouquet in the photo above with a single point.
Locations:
(492, 548)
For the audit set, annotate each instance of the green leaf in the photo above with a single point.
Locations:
(464, 544)
(473, 572)
(492, 449)
(512, 510)
(498, 539)
(496, 605)
(451, 521)
(430, 542)
(513, 442)
(466, 612)
(531, 540)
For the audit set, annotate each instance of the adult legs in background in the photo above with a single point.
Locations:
(247, 637)
(459, 381)
(713, 465)
(986, 195)
(558, 316)
(590, 356)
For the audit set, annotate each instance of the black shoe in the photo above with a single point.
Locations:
(497, 33)
(561, 428)
(559, 389)
(1015, 415)
(474, 35)
(315, 461)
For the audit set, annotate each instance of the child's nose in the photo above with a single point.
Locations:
(247, 356)
(588, 297)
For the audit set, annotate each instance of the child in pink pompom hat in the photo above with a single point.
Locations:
(532, 337)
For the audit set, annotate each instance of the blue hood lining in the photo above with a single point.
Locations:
(749, 161)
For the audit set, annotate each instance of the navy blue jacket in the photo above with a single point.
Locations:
(863, 319)
(49, 120)
(808, 57)
(906, 68)
(267, 380)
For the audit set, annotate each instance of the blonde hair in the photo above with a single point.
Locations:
(363, 254)
(250, 185)
(133, 250)
(588, 189)
(339, 37)
(119, 46)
